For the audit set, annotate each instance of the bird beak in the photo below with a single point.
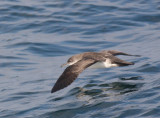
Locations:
(64, 65)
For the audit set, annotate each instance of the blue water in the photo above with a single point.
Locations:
(37, 36)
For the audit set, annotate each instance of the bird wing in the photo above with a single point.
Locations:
(115, 52)
(71, 73)
(119, 62)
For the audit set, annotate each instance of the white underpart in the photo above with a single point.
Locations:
(106, 64)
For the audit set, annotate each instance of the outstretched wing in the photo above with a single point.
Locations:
(71, 73)
(119, 62)
(115, 52)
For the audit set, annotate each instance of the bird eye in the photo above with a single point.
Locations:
(69, 60)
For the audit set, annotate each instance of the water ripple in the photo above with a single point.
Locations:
(38, 36)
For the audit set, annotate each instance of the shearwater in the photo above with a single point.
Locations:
(79, 62)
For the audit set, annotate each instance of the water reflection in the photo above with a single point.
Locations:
(93, 90)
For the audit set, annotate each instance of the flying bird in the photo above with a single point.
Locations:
(79, 62)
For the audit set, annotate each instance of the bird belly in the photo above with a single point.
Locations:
(106, 64)
(97, 65)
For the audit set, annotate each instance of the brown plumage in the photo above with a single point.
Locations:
(71, 73)
(80, 62)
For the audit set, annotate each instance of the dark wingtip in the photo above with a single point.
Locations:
(132, 55)
(56, 87)
(137, 55)
(53, 90)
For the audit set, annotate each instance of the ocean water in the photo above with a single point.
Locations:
(38, 36)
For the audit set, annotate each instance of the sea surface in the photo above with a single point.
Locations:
(38, 36)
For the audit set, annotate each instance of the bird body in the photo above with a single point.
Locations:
(79, 62)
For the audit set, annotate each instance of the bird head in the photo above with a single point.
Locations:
(70, 61)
